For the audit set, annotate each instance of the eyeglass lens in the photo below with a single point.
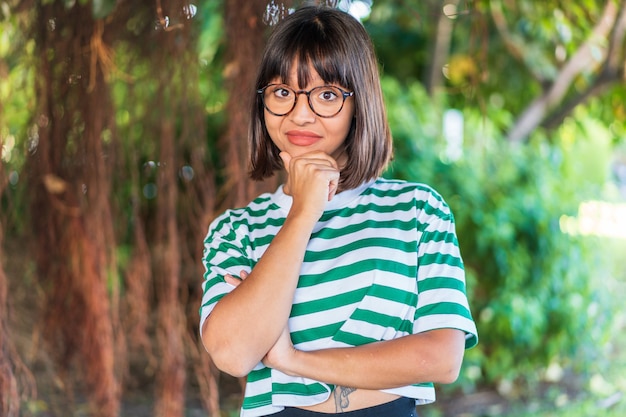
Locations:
(325, 101)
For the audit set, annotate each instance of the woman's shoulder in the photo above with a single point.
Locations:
(267, 208)
(423, 196)
(392, 185)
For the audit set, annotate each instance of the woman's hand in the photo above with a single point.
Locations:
(282, 353)
(312, 181)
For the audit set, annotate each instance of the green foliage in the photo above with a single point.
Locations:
(533, 289)
(401, 49)
(211, 86)
(16, 89)
(17, 103)
(504, 52)
(102, 8)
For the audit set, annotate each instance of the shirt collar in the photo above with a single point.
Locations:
(340, 200)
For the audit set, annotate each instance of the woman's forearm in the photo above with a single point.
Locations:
(433, 356)
(246, 323)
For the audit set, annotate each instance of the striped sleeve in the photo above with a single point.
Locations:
(442, 299)
(224, 253)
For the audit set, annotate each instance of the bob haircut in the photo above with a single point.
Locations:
(339, 49)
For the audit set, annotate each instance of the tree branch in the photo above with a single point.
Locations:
(611, 72)
(440, 47)
(599, 86)
(514, 45)
(583, 60)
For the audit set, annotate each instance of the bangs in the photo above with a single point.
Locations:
(309, 48)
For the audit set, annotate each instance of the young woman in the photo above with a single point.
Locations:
(341, 291)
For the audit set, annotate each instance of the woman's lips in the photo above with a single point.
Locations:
(302, 138)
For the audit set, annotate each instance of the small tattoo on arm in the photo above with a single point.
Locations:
(341, 398)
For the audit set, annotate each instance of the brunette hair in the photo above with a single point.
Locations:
(339, 49)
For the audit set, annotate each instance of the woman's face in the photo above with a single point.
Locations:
(303, 131)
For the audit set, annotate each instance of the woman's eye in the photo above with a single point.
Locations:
(282, 92)
(328, 95)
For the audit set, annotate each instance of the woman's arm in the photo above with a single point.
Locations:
(247, 322)
(433, 356)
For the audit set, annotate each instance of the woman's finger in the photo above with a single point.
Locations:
(235, 281)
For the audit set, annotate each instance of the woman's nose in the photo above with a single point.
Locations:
(302, 112)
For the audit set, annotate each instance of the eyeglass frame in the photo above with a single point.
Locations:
(344, 94)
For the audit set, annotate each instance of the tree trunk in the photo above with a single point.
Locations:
(170, 399)
(9, 396)
(245, 34)
(69, 179)
(173, 131)
(440, 47)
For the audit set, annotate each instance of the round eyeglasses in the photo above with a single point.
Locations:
(325, 101)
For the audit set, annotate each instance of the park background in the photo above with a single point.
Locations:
(123, 133)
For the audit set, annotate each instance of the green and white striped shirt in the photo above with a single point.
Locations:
(383, 262)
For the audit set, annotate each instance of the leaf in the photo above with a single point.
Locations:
(102, 8)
